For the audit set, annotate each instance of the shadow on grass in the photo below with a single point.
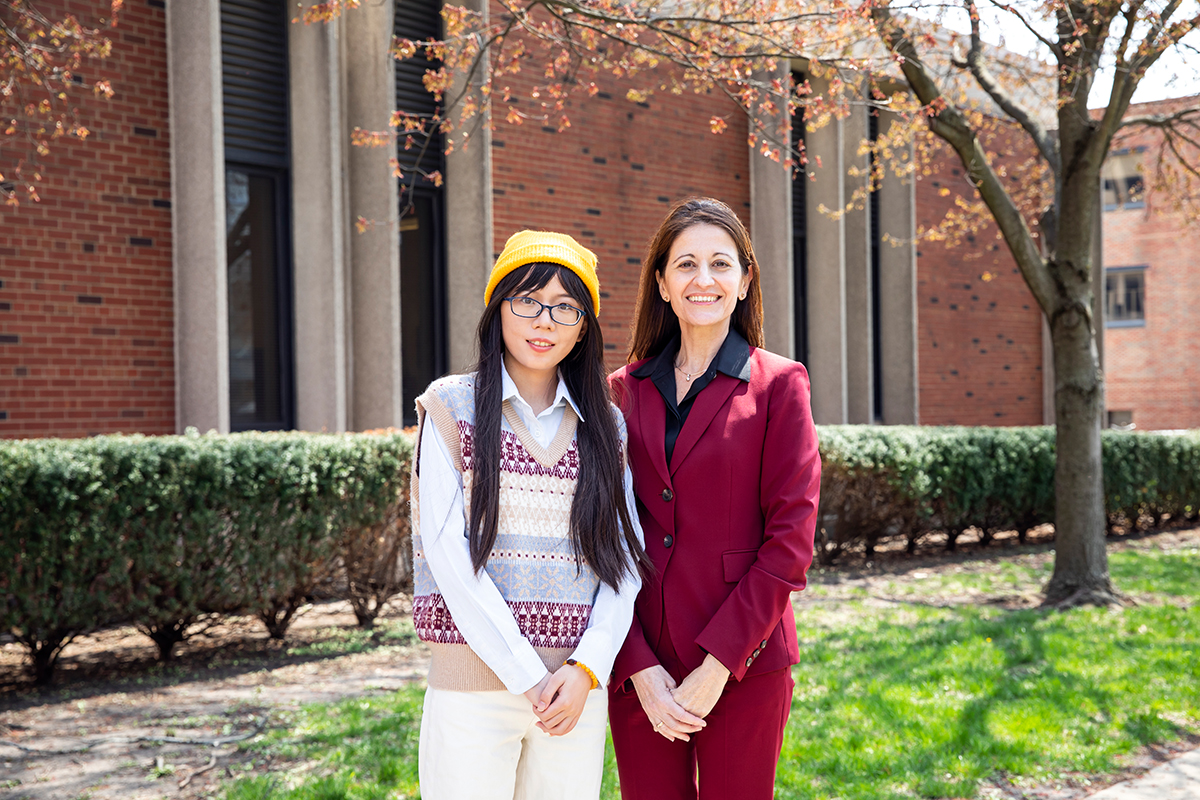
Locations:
(227, 656)
(933, 702)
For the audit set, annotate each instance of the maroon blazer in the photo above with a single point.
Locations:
(729, 526)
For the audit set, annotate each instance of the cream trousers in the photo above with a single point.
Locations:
(487, 746)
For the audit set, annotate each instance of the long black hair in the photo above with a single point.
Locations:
(599, 516)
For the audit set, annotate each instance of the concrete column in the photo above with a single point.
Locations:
(826, 272)
(469, 238)
(860, 372)
(771, 235)
(318, 227)
(374, 254)
(198, 215)
(898, 294)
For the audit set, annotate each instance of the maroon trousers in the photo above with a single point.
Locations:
(734, 756)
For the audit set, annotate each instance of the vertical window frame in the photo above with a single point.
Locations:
(268, 156)
(799, 240)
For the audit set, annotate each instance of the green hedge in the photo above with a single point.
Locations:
(165, 532)
(168, 532)
(880, 482)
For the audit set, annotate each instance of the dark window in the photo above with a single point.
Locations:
(257, 213)
(422, 297)
(1121, 420)
(255, 81)
(876, 302)
(418, 20)
(1135, 191)
(1124, 294)
(799, 241)
(423, 339)
(259, 355)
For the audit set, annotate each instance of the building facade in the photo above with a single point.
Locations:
(1152, 334)
(196, 262)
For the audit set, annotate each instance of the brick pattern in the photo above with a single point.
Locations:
(609, 179)
(1154, 370)
(86, 329)
(979, 341)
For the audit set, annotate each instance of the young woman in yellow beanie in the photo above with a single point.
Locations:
(527, 551)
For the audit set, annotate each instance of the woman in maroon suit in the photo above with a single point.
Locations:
(726, 471)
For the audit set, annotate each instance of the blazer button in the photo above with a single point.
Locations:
(668, 495)
(749, 661)
(668, 540)
(763, 643)
(756, 652)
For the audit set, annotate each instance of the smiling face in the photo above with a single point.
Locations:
(703, 279)
(534, 346)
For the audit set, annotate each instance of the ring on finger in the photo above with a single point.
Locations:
(658, 724)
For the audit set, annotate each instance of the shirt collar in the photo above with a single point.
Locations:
(561, 395)
(733, 359)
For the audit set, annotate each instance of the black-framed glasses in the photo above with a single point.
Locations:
(562, 313)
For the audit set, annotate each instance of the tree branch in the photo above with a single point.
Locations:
(1050, 44)
(1046, 144)
(1162, 120)
(1164, 36)
(948, 122)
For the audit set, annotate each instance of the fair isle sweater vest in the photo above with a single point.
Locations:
(532, 562)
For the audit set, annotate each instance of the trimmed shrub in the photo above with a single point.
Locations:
(64, 570)
(1148, 476)
(879, 482)
(168, 532)
(165, 532)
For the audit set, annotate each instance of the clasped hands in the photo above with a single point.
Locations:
(677, 711)
(558, 699)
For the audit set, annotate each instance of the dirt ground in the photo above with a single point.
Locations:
(120, 726)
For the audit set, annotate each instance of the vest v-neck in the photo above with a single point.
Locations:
(546, 456)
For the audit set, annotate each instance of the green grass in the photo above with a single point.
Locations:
(343, 641)
(364, 748)
(896, 702)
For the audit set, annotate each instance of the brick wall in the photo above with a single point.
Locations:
(609, 179)
(979, 328)
(1154, 370)
(86, 331)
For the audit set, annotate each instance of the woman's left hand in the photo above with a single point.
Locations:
(701, 690)
(565, 695)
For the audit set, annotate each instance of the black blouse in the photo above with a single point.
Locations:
(733, 359)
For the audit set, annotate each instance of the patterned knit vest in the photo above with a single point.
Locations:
(532, 562)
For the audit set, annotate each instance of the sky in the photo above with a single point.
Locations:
(1176, 74)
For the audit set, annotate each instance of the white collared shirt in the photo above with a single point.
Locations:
(479, 610)
(543, 426)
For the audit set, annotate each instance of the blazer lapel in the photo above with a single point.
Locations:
(706, 405)
(653, 412)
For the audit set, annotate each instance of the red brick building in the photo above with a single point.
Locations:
(1152, 334)
(195, 261)
(86, 308)
(980, 342)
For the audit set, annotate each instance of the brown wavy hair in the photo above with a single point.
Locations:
(654, 321)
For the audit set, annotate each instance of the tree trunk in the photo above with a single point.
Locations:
(1081, 560)
(43, 653)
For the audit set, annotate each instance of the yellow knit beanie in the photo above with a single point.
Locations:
(529, 247)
